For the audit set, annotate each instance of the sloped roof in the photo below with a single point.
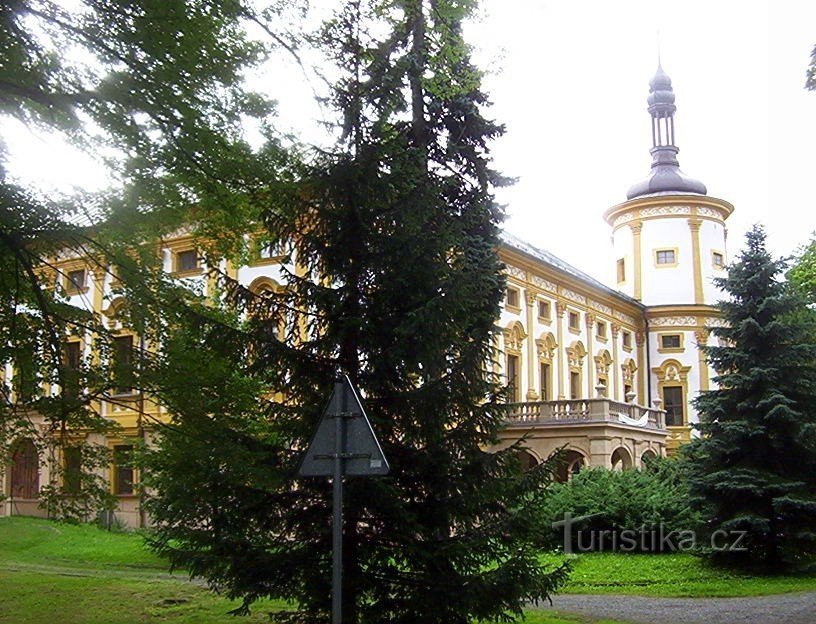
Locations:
(514, 242)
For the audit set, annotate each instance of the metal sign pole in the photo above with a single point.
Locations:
(347, 446)
(337, 512)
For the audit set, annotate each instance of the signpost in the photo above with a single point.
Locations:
(344, 444)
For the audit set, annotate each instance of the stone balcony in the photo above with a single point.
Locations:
(593, 432)
(585, 411)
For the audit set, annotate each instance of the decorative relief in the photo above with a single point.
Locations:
(615, 331)
(546, 347)
(590, 321)
(708, 212)
(602, 362)
(573, 296)
(514, 336)
(623, 317)
(665, 211)
(560, 308)
(575, 354)
(600, 307)
(544, 284)
(673, 321)
(628, 370)
(716, 322)
(516, 272)
(530, 297)
(624, 218)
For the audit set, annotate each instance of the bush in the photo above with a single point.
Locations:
(651, 499)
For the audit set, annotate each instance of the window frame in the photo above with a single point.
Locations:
(661, 346)
(666, 250)
(516, 295)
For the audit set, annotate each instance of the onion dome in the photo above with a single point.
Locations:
(665, 176)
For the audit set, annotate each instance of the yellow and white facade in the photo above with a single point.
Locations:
(609, 373)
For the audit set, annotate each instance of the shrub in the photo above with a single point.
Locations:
(652, 499)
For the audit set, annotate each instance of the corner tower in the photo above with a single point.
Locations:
(669, 239)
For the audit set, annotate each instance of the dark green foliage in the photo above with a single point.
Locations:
(155, 87)
(632, 500)
(755, 467)
(395, 280)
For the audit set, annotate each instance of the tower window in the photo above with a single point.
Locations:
(575, 385)
(186, 261)
(671, 342)
(666, 257)
(621, 270)
(626, 338)
(546, 392)
(574, 321)
(123, 477)
(75, 282)
(717, 259)
(673, 404)
(513, 394)
(513, 298)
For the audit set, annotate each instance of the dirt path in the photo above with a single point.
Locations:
(796, 608)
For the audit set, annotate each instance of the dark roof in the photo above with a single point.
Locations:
(514, 242)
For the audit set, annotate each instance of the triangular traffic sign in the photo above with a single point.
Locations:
(358, 446)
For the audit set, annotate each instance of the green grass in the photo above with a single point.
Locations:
(52, 572)
(671, 575)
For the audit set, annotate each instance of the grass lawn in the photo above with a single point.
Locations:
(80, 575)
(671, 575)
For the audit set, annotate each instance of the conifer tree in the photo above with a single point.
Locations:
(754, 469)
(394, 279)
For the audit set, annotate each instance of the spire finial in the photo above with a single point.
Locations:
(666, 175)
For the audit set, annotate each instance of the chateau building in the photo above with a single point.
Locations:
(609, 373)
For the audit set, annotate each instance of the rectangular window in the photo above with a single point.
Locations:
(186, 261)
(123, 470)
(666, 256)
(544, 309)
(76, 281)
(513, 390)
(546, 392)
(72, 360)
(575, 385)
(670, 341)
(673, 404)
(717, 259)
(574, 321)
(601, 329)
(123, 364)
(626, 338)
(621, 270)
(512, 298)
(72, 467)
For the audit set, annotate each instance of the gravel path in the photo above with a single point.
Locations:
(797, 608)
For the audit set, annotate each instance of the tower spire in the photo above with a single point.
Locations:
(666, 176)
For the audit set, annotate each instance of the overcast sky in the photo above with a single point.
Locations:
(569, 78)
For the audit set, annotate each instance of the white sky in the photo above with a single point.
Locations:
(569, 78)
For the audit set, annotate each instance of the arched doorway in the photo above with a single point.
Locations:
(527, 460)
(572, 463)
(621, 459)
(25, 470)
(647, 456)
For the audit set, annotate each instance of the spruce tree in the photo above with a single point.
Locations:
(394, 279)
(754, 469)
